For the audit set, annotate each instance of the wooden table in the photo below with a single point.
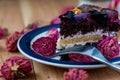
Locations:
(16, 14)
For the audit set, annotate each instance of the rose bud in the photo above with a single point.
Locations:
(75, 74)
(80, 58)
(3, 32)
(45, 46)
(55, 20)
(109, 47)
(11, 42)
(53, 33)
(16, 67)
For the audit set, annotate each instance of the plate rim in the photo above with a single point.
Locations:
(88, 66)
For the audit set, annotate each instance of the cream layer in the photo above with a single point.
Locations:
(79, 35)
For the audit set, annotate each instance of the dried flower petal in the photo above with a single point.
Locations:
(80, 58)
(16, 67)
(75, 74)
(53, 33)
(11, 41)
(3, 32)
(55, 20)
(109, 47)
(45, 46)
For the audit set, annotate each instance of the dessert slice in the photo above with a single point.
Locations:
(87, 24)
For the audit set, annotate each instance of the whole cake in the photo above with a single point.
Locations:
(87, 23)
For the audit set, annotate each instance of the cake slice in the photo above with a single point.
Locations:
(87, 23)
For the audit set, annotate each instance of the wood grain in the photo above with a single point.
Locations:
(10, 17)
(16, 14)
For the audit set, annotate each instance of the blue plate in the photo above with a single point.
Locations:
(24, 46)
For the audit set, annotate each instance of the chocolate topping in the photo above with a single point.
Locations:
(67, 16)
(101, 18)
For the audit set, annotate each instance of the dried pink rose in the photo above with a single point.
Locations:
(53, 33)
(109, 47)
(30, 27)
(75, 74)
(3, 32)
(11, 42)
(16, 67)
(65, 9)
(45, 46)
(80, 58)
(55, 20)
